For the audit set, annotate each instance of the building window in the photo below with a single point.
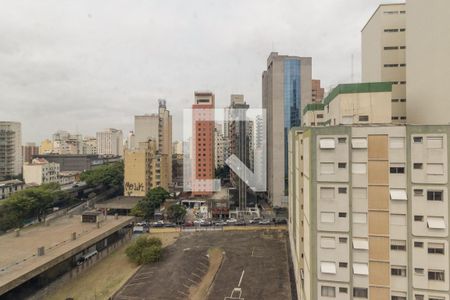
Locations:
(328, 291)
(418, 218)
(360, 292)
(397, 169)
(319, 116)
(397, 143)
(343, 265)
(327, 267)
(435, 142)
(436, 248)
(419, 297)
(435, 169)
(402, 47)
(398, 245)
(398, 194)
(435, 195)
(342, 140)
(391, 30)
(327, 242)
(418, 139)
(326, 168)
(327, 144)
(419, 271)
(363, 118)
(403, 100)
(398, 297)
(418, 244)
(391, 65)
(391, 48)
(360, 269)
(343, 290)
(398, 271)
(394, 100)
(418, 166)
(436, 275)
(398, 219)
(327, 193)
(342, 240)
(436, 222)
(342, 190)
(342, 215)
(418, 192)
(342, 165)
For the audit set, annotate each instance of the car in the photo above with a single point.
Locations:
(206, 223)
(265, 222)
(220, 223)
(198, 222)
(170, 225)
(158, 224)
(255, 220)
(231, 221)
(188, 224)
(240, 223)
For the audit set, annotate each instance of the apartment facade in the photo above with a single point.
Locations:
(203, 171)
(384, 54)
(286, 89)
(110, 142)
(158, 128)
(67, 143)
(90, 145)
(40, 171)
(9, 187)
(46, 147)
(28, 151)
(10, 149)
(368, 211)
(318, 92)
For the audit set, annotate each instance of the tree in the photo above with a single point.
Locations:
(176, 212)
(110, 175)
(146, 207)
(145, 250)
(222, 172)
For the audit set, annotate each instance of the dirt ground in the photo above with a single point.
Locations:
(102, 280)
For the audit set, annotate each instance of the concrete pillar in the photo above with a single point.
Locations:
(73, 236)
(116, 216)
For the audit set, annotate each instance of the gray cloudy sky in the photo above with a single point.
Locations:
(86, 65)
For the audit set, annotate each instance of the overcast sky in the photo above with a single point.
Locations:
(86, 65)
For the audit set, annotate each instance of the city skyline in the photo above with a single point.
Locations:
(71, 72)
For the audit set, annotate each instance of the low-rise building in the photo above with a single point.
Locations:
(40, 171)
(9, 187)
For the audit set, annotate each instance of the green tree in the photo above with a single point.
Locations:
(222, 172)
(146, 207)
(145, 250)
(176, 213)
(110, 175)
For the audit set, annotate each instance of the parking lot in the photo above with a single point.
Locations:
(254, 261)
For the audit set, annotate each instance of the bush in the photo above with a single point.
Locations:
(145, 250)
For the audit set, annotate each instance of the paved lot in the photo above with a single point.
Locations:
(255, 261)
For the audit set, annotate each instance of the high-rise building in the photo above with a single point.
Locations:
(219, 159)
(131, 141)
(369, 211)
(158, 128)
(203, 171)
(428, 65)
(286, 89)
(67, 143)
(28, 151)
(110, 142)
(384, 54)
(10, 149)
(239, 143)
(318, 92)
(177, 147)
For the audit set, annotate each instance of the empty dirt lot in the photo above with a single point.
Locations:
(254, 261)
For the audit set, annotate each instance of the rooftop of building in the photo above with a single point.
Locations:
(11, 182)
(378, 8)
(120, 202)
(19, 261)
(350, 88)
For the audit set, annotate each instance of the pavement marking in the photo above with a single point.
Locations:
(196, 275)
(183, 293)
(242, 276)
(195, 282)
(186, 286)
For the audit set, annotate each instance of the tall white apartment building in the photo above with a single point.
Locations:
(407, 44)
(10, 149)
(110, 142)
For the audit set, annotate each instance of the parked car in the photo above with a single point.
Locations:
(220, 223)
(158, 224)
(170, 225)
(206, 223)
(231, 221)
(255, 220)
(188, 224)
(240, 223)
(265, 222)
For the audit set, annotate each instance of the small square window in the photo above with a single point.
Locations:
(343, 265)
(342, 215)
(343, 290)
(418, 271)
(363, 118)
(418, 139)
(418, 244)
(418, 192)
(342, 240)
(342, 140)
(342, 165)
(418, 218)
(418, 166)
(342, 190)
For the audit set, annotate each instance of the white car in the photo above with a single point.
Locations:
(231, 220)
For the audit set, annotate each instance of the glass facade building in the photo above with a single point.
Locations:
(292, 101)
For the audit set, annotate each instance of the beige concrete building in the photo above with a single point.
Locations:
(46, 147)
(89, 145)
(368, 212)
(40, 171)
(286, 89)
(428, 63)
(384, 54)
(10, 149)
(67, 143)
(354, 103)
(28, 150)
(158, 128)
(110, 142)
